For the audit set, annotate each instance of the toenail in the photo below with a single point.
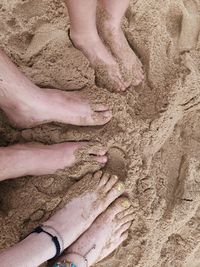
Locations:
(120, 187)
(115, 177)
(108, 114)
(102, 152)
(126, 204)
(104, 159)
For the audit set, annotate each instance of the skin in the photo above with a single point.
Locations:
(38, 159)
(108, 231)
(71, 224)
(111, 32)
(27, 105)
(85, 36)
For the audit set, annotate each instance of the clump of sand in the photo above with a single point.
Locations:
(153, 139)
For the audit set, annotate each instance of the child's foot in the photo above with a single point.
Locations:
(38, 106)
(108, 231)
(115, 39)
(79, 213)
(106, 68)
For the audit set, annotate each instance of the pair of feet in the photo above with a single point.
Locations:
(94, 224)
(115, 63)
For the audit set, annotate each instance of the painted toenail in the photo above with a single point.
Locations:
(126, 204)
(115, 177)
(120, 187)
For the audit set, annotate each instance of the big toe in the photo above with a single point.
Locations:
(117, 189)
(101, 117)
(120, 205)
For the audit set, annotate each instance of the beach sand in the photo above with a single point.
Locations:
(153, 139)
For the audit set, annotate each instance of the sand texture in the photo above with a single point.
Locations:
(153, 139)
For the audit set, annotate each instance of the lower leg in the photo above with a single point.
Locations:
(111, 31)
(70, 222)
(13, 84)
(39, 159)
(107, 232)
(82, 19)
(85, 37)
(115, 10)
(27, 105)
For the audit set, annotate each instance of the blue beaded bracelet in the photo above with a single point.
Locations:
(64, 265)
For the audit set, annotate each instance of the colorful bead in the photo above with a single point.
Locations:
(73, 265)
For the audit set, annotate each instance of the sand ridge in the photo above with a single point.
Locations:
(154, 135)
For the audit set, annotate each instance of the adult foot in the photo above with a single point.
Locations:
(95, 193)
(107, 71)
(108, 231)
(115, 39)
(26, 105)
(49, 105)
(39, 159)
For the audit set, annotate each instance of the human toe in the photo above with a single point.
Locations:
(118, 206)
(97, 150)
(99, 159)
(104, 179)
(123, 228)
(102, 117)
(100, 107)
(112, 180)
(116, 191)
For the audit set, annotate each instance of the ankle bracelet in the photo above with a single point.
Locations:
(54, 239)
(57, 233)
(68, 263)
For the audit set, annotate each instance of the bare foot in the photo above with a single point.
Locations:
(50, 105)
(115, 39)
(39, 159)
(78, 215)
(108, 231)
(106, 68)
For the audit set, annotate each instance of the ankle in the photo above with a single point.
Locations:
(18, 98)
(111, 25)
(81, 40)
(16, 154)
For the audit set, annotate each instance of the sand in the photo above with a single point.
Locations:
(153, 139)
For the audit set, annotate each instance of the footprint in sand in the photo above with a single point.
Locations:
(117, 162)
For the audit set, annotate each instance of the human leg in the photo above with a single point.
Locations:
(27, 105)
(107, 232)
(110, 28)
(85, 37)
(70, 222)
(38, 159)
